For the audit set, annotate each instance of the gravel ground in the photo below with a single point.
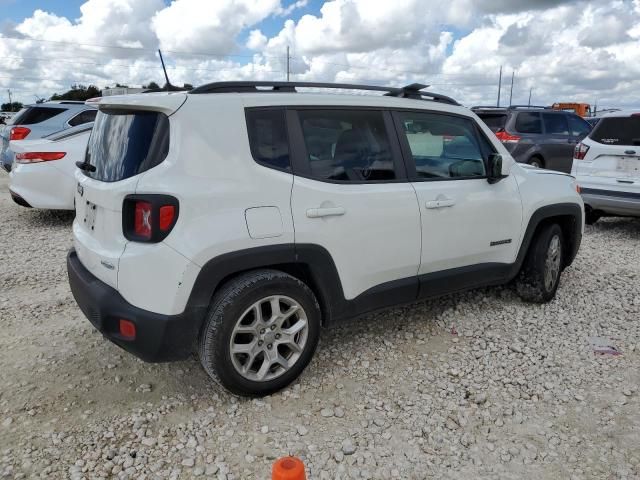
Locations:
(474, 385)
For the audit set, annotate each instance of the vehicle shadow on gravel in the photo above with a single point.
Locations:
(622, 225)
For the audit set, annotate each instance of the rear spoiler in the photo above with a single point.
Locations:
(166, 103)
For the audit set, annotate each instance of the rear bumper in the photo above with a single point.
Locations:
(159, 338)
(43, 186)
(612, 202)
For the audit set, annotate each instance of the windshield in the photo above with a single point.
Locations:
(126, 143)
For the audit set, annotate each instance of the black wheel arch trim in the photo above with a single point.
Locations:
(315, 266)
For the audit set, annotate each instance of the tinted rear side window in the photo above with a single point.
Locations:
(494, 122)
(578, 126)
(555, 123)
(34, 115)
(617, 131)
(528, 122)
(83, 117)
(268, 137)
(126, 143)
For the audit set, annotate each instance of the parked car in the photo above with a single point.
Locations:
(245, 232)
(42, 119)
(43, 173)
(606, 165)
(539, 136)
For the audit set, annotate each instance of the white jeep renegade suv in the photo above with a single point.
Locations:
(241, 217)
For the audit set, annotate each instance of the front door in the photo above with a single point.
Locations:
(469, 226)
(351, 197)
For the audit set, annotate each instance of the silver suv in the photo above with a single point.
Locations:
(42, 119)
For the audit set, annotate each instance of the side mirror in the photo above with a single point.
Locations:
(494, 168)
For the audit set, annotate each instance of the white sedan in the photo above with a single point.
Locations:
(43, 173)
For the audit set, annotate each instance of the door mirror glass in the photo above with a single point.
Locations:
(494, 168)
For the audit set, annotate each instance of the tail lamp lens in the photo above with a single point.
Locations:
(37, 157)
(142, 220)
(19, 133)
(505, 137)
(149, 217)
(580, 151)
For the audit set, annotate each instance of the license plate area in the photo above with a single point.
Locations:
(629, 166)
(90, 213)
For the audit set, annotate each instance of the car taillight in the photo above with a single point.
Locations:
(505, 137)
(19, 133)
(37, 157)
(149, 218)
(142, 220)
(580, 151)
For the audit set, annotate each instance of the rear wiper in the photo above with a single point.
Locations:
(87, 167)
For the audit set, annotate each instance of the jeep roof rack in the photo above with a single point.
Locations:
(516, 107)
(488, 107)
(414, 91)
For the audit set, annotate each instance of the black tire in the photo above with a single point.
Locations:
(226, 309)
(591, 216)
(536, 162)
(532, 284)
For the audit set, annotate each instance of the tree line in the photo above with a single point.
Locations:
(83, 93)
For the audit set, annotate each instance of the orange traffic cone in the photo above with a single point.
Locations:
(288, 468)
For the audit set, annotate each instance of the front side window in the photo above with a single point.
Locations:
(528, 122)
(126, 143)
(444, 146)
(347, 145)
(268, 137)
(555, 123)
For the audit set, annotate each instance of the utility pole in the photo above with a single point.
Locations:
(10, 102)
(288, 57)
(499, 85)
(530, 91)
(513, 76)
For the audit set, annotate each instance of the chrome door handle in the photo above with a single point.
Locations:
(441, 203)
(325, 212)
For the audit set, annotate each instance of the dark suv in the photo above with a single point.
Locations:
(539, 136)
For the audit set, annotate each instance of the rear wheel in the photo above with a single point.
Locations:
(536, 162)
(540, 275)
(261, 332)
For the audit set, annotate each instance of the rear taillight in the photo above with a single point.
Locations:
(19, 133)
(149, 218)
(505, 137)
(37, 157)
(580, 151)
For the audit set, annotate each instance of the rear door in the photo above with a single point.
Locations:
(559, 143)
(123, 144)
(613, 159)
(350, 195)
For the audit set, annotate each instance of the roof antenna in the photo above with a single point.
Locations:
(168, 85)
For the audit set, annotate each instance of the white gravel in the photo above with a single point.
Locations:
(517, 393)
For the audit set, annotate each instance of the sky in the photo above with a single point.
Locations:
(560, 50)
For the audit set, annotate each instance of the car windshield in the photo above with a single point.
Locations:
(126, 143)
(618, 131)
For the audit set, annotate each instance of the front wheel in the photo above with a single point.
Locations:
(261, 332)
(540, 275)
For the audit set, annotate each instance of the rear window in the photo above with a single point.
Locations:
(528, 122)
(493, 121)
(34, 115)
(617, 131)
(126, 143)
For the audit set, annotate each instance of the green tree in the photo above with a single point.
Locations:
(78, 92)
(151, 86)
(11, 107)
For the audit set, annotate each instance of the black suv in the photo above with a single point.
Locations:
(539, 136)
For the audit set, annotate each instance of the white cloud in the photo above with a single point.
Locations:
(575, 49)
